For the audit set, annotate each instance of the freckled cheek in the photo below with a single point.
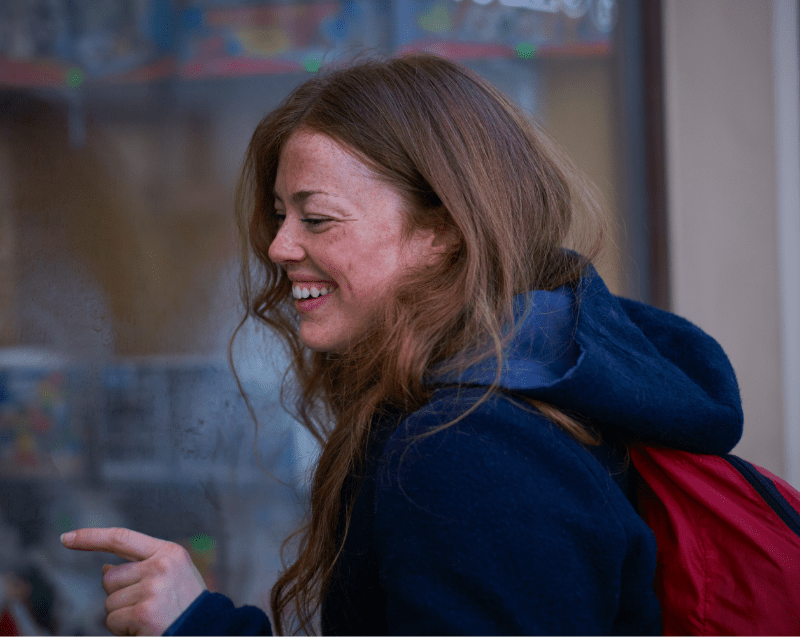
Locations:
(335, 272)
(346, 278)
(359, 273)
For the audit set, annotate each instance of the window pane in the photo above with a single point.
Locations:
(123, 127)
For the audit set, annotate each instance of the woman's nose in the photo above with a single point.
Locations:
(284, 246)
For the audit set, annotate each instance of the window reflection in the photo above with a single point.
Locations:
(123, 127)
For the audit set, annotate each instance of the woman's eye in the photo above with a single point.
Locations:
(313, 222)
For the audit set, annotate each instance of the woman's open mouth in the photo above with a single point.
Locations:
(310, 297)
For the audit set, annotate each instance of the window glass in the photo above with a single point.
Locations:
(123, 127)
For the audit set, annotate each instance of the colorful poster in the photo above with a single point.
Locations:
(502, 28)
(38, 431)
(265, 38)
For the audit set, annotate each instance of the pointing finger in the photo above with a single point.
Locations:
(127, 544)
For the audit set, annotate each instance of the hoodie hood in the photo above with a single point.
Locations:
(625, 367)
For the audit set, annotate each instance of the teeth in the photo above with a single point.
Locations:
(303, 293)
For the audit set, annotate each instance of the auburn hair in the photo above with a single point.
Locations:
(464, 157)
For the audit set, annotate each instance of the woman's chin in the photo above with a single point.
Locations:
(313, 340)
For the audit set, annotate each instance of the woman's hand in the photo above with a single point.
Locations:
(150, 592)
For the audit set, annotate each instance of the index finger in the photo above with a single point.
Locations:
(127, 544)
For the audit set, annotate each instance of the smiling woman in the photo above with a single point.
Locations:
(469, 377)
(341, 239)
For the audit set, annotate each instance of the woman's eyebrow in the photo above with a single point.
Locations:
(301, 195)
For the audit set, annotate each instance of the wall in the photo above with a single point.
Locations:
(720, 132)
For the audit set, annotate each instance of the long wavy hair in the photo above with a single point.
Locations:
(464, 158)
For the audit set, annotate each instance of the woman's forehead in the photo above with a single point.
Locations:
(312, 163)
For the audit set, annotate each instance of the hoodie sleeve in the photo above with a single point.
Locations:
(502, 524)
(215, 614)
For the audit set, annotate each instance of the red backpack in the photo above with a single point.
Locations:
(728, 536)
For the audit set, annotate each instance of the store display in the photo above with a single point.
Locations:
(35, 29)
(174, 450)
(248, 38)
(60, 43)
(53, 42)
(40, 434)
(165, 444)
(465, 29)
(174, 420)
(116, 36)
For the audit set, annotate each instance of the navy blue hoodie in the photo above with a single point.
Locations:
(503, 523)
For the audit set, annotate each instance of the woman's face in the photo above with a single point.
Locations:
(340, 239)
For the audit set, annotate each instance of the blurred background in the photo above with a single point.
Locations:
(123, 124)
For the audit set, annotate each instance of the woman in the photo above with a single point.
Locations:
(473, 383)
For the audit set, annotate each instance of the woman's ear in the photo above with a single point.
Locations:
(439, 241)
(446, 237)
(436, 239)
